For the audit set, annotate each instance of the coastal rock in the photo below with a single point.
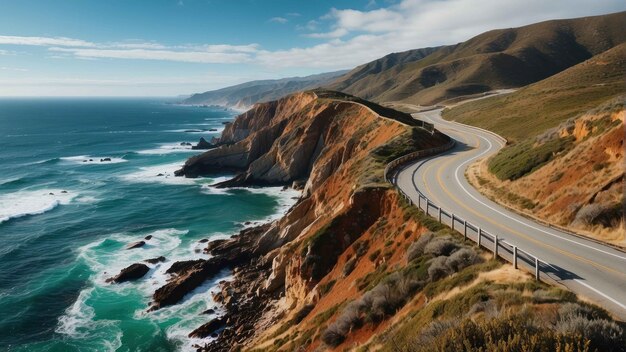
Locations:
(105, 159)
(208, 329)
(148, 238)
(155, 260)
(137, 244)
(130, 273)
(187, 275)
(209, 311)
(202, 144)
(185, 144)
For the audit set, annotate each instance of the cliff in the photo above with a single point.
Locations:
(352, 264)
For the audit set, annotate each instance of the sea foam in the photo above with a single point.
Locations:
(24, 203)
(168, 148)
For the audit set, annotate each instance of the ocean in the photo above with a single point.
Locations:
(67, 214)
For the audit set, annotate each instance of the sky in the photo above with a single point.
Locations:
(179, 47)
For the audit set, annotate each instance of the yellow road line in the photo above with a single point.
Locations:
(545, 245)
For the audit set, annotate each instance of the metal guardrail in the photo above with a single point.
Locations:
(521, 259)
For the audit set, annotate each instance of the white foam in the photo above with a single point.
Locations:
(164, 173)
(198, 130)
(78, 323)
(169, 148)
(24, 203)
(91, 160)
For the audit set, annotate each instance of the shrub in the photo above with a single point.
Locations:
(602, 333)
(325, 288)
(438, 268)
(440, 246)
(349, 319)
(361, 247)
(349, 266)
(462, 259)
(374, 255)
(302, 313)
(416, 249)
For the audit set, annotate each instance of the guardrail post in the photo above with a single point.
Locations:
(515, 257)
(536, 268)
(452, 221)
(495, 246)
(427, 206)
(480, 232)
(419, 201)
(464, 230)
(439, 215)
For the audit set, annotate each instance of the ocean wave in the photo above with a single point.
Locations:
(107, 257)
(11, 181)
(78, 323)
(217, 130)
(91, 160)
(24, 203)
(169, 148)
(164, 173)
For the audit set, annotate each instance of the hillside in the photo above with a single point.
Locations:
(565, 160)
(352, 264)
(247, 94)
(497, 59)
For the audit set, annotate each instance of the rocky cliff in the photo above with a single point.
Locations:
(351, 263)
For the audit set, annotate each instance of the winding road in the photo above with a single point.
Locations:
(587, 268)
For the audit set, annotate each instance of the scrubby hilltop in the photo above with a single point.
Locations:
(505, 58)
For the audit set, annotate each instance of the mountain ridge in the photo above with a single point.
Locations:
(246, 94)
(497, 59)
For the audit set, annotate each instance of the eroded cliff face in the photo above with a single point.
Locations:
(336, 149)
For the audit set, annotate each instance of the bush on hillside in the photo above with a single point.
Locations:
(441, 246)
(416, 249)
(462, 258)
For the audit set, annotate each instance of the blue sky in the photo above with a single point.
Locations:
(171, 47)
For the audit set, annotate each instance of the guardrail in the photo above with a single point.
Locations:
(521, 259)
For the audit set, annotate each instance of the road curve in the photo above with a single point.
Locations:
(585, 267)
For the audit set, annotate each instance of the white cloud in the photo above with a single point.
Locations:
(162, 55)
(18, 69)
(347, 37)
(280, 20)
(44, 41)
(355, 37)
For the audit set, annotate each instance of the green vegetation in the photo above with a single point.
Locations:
(325, 288)
(497, 317)
(523, 158)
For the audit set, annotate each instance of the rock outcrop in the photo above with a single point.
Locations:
(203, 144)
(133, 272)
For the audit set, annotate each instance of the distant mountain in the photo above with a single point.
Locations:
(504, 58)
(247, 94)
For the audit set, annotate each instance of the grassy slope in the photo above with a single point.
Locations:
(496, 59)
(533, 109)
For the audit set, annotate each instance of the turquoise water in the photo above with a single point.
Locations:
(65, 220)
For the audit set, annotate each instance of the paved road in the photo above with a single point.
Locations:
(587, 268)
